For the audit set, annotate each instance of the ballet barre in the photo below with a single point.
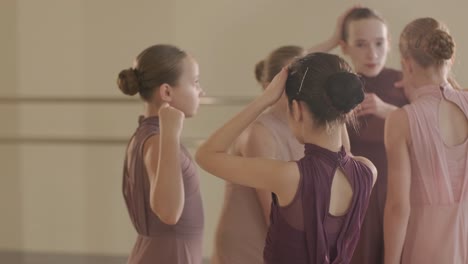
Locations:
(190, 143)
(208, 100)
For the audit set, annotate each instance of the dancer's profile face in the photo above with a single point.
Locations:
(367, 46)
(187, 93)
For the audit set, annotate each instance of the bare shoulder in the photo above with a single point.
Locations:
(396, 127)
(397, 120)
(289, 185)
(369, 164)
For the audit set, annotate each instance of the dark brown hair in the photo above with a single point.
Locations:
(267, 69)
(156, 65)
(328, 86)
(358, 14)
(428, 42)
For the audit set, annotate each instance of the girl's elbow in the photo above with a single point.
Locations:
(204, 157)
(400, 209)
(200, 157)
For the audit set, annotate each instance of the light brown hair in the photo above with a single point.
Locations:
(355, 15)
(156, 65)
(267, 69)
(427, 42)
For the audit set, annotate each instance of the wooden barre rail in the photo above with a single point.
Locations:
(213, 100)
(47, 140)
(188, 142)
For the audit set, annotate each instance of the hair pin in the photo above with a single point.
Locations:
(302, 81)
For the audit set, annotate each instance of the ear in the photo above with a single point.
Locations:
(411, 65)
(296, 111)
(407, 64)
(344, 47)
(165, 92)
(452, 61)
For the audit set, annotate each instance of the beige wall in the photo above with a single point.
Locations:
(66, 197)
(10, 182)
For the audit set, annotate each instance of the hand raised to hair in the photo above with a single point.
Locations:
(275, 89)
(171, 120)
(339, 24)
(373, 105)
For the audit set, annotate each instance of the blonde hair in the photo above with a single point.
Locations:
(428, 42)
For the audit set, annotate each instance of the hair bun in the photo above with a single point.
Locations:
(128, 82)
(440, 45)
(344, 91)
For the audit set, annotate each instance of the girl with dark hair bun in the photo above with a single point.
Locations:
(320, 200)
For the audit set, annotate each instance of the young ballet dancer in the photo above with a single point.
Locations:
(241, 232)
(319, 201)
(160, 179)
(427, 147)
(363, 36)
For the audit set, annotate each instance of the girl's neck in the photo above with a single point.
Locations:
(426, 80)
(326, 138)
(151, 109)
